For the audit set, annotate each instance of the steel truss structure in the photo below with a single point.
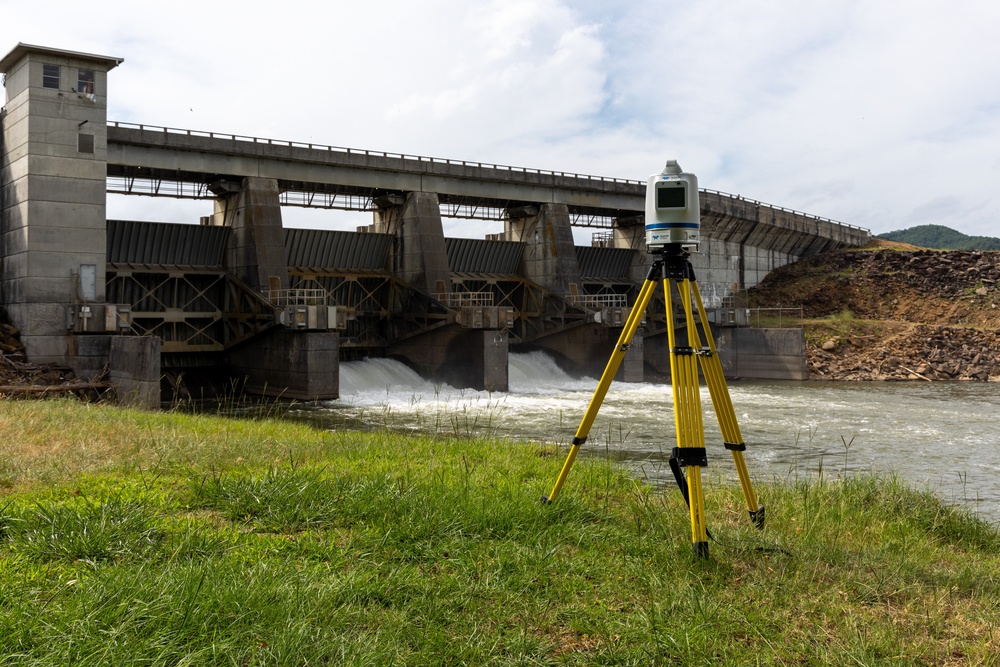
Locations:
(191, 309)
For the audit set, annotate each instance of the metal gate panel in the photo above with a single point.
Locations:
(328, 249)
(483, 256)
(165, 244)
(606, 263)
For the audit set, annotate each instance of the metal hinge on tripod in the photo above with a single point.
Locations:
(689, 456)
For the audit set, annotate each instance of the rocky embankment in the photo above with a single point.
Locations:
(887, 314)
(920, 353)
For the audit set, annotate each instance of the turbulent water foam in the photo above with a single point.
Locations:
(936, 435)
(372, 376)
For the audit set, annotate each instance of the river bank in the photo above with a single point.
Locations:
(885, 314)
(130, 537)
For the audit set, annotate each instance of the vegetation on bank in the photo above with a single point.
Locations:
(169, 539)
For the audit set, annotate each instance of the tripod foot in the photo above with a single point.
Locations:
(546, 501)
(700, 549)
(758, 517)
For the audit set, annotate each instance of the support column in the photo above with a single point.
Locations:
(630, 233)
(257, 255)
(495, 364)
(632, 368)
(549, 257)
(289, 364)
(419, 255)
(134, 368)
(465, 358)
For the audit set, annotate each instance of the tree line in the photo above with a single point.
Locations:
(940, 237)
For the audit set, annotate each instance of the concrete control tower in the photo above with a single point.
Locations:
(53, 173)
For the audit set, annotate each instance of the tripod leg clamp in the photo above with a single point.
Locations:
(689, 456)
(682, 457)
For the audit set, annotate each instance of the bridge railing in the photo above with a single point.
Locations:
(755, 202)
(463, 299)
(444, 161)
(356, 151)
(599, 301)
(776, 318)
(296, 297)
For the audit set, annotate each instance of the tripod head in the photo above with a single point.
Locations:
(673, 212)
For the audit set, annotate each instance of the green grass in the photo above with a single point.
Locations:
(169, 539)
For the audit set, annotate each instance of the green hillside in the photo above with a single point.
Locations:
(940, 237)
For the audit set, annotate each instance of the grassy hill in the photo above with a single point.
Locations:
(940, 237)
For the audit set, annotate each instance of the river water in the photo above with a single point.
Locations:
(937, 436)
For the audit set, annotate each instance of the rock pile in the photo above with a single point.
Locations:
(882, 284)
(893, 314)
(958, 273)
(922, 353)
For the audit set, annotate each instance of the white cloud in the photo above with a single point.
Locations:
(878, 113)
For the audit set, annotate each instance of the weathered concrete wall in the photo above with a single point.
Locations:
(749, 354)
(633, 237)
(632, 367)
(719, 264)
(303, 365)
(748, 222)
(466, 358)
(732, 265)
(134, 369)
(89, 354)
(582, 350)
(419, 256)
(549, 257)
(763, 354)
(488, 360)
(52, 207)
(257, 256)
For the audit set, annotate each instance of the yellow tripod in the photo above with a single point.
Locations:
(675, 269)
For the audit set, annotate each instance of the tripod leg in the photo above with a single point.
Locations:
(621, 347)
(711, 367)
(690, 451)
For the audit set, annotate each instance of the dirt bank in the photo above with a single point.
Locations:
(894, 314)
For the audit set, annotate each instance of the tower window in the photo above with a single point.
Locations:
(85, 143)
(85, 81)
(50, 76)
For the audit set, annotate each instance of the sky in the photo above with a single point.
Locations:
(883, 114)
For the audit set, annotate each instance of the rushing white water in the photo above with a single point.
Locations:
(941, 436)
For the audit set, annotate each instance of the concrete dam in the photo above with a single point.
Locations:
(278, 308)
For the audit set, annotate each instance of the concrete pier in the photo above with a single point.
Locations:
(257, 254)
(419, 256)
(303, 365)
(473, 358)
(134, 369)
(549, 257)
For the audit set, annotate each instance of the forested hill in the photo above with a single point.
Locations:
(940, 237)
